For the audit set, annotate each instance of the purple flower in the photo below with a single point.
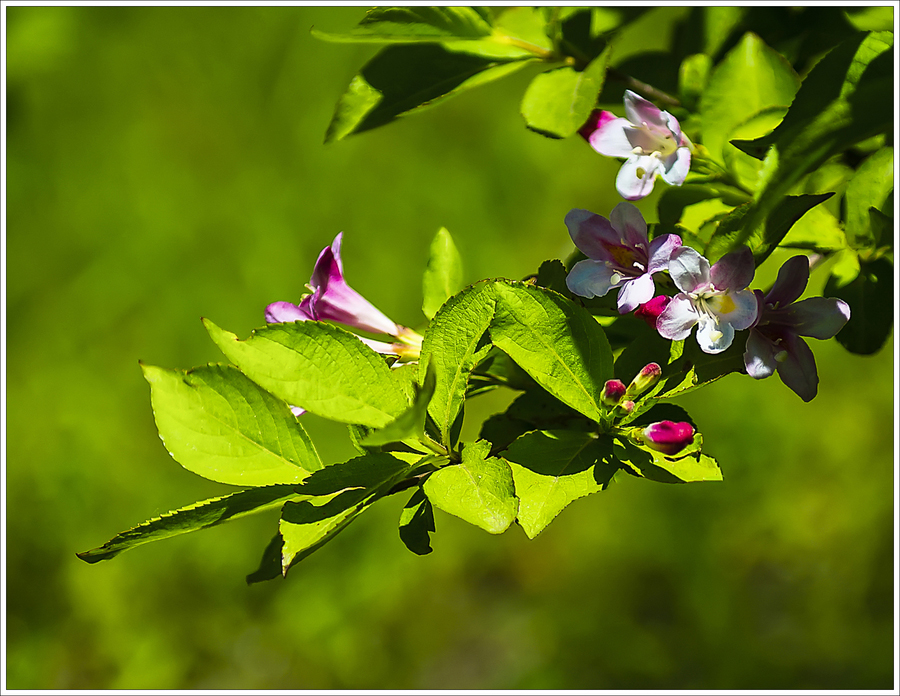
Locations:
(713, 298)
(668, 437)
(650, 139)
(774, 342)
(619, 255)
(332, 298)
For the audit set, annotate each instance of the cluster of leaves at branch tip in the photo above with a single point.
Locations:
(753, 159)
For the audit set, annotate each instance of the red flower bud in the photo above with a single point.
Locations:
(650, 311)
(613, 391)
(668, 437)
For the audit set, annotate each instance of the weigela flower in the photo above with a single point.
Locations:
(668, 437)
(643, 380)
(613, 391)
(650, 311)
(650, 139)
(774, 342)
(619, 255)
(714, 298)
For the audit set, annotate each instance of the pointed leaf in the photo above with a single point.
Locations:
(868, 188)
(871, 299)
(319, 367)
(217, 423)
(479, 490)
(207, 513)
(417, 523)
(414, 24)
(443, 274)
(411, 423)
(454, 343)
(553, 469)
(555, 341)
(690, 466)
(404, 78)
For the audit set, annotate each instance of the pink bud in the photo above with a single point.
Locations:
(646, 378)
(668, 437)
(595, 120)
(613, 391)
(626, 405)
(650, 311)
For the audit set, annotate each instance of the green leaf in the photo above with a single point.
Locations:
(688, 467)
(218, 424)
(404, 78)
(443, 274)
(693, 74)
(413, 24)
(411, 423)
(732, 231)
(478, 490)
(270, 563)
(559, 101)
(751, 77)
(552, 275)
(871, 299)
(817, 230)
(319, 367)
(343, 492)
(417, 523)
(207, 513)
(552, 469)
(555, 341)
(868, 188)
(453, 345)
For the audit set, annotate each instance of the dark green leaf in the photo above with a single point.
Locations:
(552, 469)
(443, 274)
(871, 300)
(270, 563)
(319, 367)
(552, 275)
(478, 490)
(558, 102)
(417, 523)
(414, 24)
(207, 513)
(217, 423)
(404, 78)
(555, 341)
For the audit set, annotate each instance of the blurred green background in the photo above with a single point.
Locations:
(166, 163)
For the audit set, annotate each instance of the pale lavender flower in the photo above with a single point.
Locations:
(714, 298)
(774, 342)
(619, 255)
(650, 139)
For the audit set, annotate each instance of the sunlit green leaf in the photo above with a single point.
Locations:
(555, 341)
(207, 513)
(443, 274)
(867, 189)
(217, 423)
(410, 423)
(478, 490)
(681, 468)
(552, 469)
(319, 367)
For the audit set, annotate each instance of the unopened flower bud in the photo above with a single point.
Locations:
(613, 391)
(627, 405)
(668, 437)
(646, 378)
(650, 311)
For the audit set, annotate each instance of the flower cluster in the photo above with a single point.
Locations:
(713, 297)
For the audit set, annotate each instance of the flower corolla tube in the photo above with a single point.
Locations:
(619, 255)
(713, 298)
(774, 342)
(649, 138)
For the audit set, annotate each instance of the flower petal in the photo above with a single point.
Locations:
(740, 308)
(677, 319)
(590, 278)
(688, 269)
(635, 179)
(595, 120)
(282, 312)
(592, 234)
(712, 336)
(610, 138)
(661, 250)
(759, 356)
(798, 369)
(790, 283)
(733, 271)
(676, 167)
(627, 220)
(640, 111)
(817, 317)
(635, 292)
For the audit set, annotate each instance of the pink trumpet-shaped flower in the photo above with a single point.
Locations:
(649, 138)
(774, 342)
(619, 255)
(713, 298)
(668, 437)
